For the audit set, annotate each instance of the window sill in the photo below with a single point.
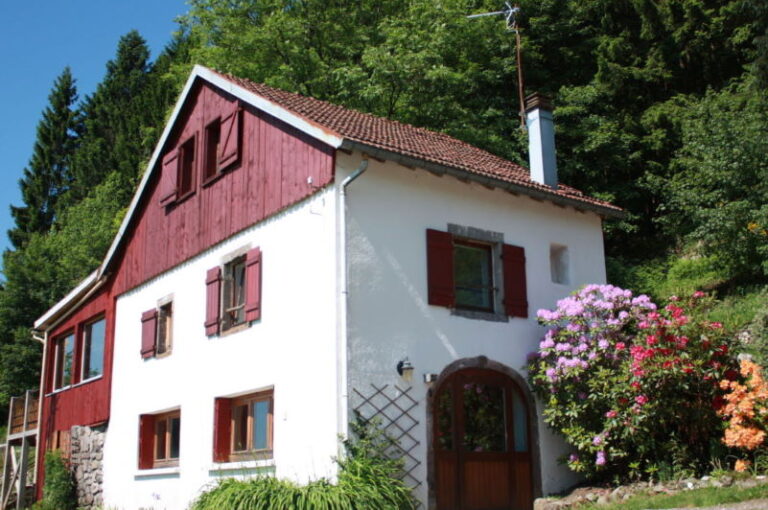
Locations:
(165, 472)
(480, 315)
(235, 329)
(87, 381)
(213, 178)
(242, 465)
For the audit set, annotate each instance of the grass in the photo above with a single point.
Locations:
(709, 496)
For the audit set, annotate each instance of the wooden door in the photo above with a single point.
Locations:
(481, 443)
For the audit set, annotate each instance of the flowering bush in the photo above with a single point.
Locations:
(746, 408)
(631, 387)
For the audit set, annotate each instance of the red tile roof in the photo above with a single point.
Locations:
(415, 142)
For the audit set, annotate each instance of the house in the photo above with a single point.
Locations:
(287, 264)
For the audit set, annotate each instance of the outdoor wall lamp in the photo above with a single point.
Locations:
(405, 369)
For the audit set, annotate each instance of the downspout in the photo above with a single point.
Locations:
(341, 346)
(40, 398)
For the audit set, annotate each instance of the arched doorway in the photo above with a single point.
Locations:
(481, 442)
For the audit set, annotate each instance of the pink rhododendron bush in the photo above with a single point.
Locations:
(633, 387)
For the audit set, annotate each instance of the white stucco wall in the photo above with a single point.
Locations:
(292, 348)
(389, 209)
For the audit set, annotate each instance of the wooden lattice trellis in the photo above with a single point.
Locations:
(394, 411)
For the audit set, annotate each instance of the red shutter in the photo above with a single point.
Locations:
(146, 441)
(253, 285)
(148, 333)
(229, 144)
(168, 178)
(222, 425)
(213, 295)
(441, 290)
(515, 293)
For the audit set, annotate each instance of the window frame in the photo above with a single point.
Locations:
(165, 418)
(229, 293)
(250, 453)
(184, 164)
(164, 324)
(59, 346)
(85, 344)
(211, 173)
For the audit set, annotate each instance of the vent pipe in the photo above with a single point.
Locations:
(541, 139)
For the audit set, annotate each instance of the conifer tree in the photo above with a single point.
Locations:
(47, 175)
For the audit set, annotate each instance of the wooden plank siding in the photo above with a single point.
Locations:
(276, 162)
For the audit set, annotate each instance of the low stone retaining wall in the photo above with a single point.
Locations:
(605, 495)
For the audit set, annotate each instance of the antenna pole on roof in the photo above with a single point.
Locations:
(511, 14)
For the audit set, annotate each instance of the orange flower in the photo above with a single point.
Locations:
(741, 465)
(745, 407)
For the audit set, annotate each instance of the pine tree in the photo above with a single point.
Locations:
(47, 175)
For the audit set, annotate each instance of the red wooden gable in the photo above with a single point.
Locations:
(266, 173)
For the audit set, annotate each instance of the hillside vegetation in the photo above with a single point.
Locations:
(661, 108)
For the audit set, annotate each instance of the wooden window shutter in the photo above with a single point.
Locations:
(222, 426)
(253, 285)
(515, 290)
(440, 285)
(146, 441)
(229, 143)
(169, 177)
(148, 333)
(213, 295)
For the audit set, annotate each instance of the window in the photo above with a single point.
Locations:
(243, 427)
(186, 178)
(212, 137)
(558, 264)
(93, 349)
(233, 293)
(64, 350)
(476, 275)
(159, 440)
(157, 330)
(473, 275)
(164, 329)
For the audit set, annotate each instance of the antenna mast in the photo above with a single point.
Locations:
(511, 14)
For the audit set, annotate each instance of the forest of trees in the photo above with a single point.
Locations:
(661, 107)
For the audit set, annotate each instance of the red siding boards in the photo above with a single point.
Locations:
(274, 164)
(84, 404)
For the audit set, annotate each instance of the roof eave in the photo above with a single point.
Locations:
(437, 168)
(85, 288)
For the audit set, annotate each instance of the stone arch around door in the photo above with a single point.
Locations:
(482, 363)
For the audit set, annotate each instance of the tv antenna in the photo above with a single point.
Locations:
(511, 14)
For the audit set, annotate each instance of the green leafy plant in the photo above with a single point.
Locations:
(367, 480)
(59, 491)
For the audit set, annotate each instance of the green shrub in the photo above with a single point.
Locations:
(59, 490)
(367, 480)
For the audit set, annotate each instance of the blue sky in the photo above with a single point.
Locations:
(38, 38)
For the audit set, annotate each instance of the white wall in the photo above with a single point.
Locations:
(389, 209)
(292, 348)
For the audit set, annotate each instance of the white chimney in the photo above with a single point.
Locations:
(541, 139)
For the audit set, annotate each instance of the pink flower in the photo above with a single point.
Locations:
(600, 460)
(698, 294)
(611, 414)
(620, 346)
(641, 400)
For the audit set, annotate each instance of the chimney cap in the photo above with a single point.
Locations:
(538, 100)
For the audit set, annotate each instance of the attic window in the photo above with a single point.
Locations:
(212, 138)
(186, 168)
(558, 264)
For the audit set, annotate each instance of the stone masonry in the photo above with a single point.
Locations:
(86, 459)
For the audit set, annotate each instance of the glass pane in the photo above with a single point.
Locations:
(160, 431)
(69, 352)
(472, 276)
(445, 420)
(260, 425)
(164, 321)
(520, 421)
(240, 428)
(484, 418)
(93, 362)
(175, 437)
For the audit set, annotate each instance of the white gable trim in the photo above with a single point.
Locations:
(82, 289)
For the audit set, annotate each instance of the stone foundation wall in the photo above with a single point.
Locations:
(86, 459)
